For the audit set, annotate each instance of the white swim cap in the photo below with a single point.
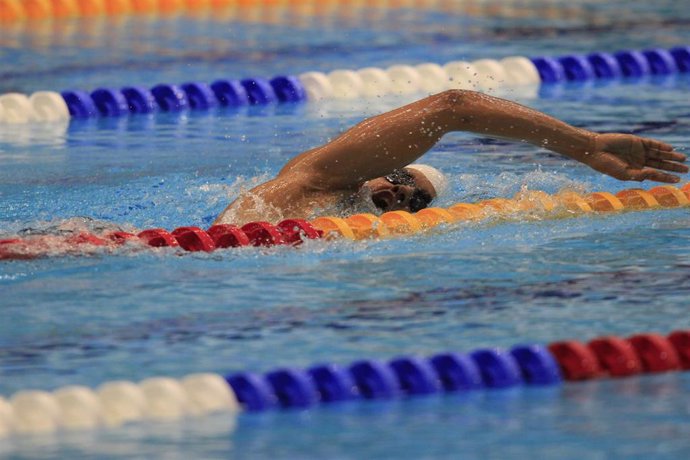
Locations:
(436, 177)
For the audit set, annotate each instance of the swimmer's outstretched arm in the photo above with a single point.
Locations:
(394, 139)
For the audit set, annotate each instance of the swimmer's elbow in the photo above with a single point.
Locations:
(459, 99)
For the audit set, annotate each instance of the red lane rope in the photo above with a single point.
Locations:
(287, 232)
(612, 356)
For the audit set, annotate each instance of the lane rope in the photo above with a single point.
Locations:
(525, 204)
(158, 399)
(27, 11)
(487, 75)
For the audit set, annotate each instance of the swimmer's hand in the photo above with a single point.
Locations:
(628, 157)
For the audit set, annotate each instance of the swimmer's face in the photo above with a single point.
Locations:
(402, 190)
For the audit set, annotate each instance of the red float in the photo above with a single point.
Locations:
(119, 237)
(294, 230)
(681, 342)
(656, 353)
(228, 236)
(15, 249)
(263, 234)
(194, 239)
(157, 237)
(616, 356)
(85, 238)
(576, 360)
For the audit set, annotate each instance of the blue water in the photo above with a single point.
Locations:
(132, 315)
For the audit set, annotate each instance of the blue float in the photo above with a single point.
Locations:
(605, 65)
(293, 388)
(110, 102)
(252, 391)
(497, 368)
(577, 68)
(537, 364)
(550, 70)
(79, 104)
(415, 375)
(660, 61)
(170, 98)
(259, 91)
(375, 380)
(230, 93)
(199, 95)
(288, 89)
(139, 99)
(633, 63)
(456, 372)
(333, 382)
(681, 54)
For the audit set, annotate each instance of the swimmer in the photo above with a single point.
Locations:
(373, 161)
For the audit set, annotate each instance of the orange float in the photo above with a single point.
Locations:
(499, 205)
(118, 7)
(686, 189)
(637, 199)
(366, 226)
(12, 11)
(333, 227)
(38, 9)
(528, 200)
(465, 211)
(401, 222)
(145, 6)
(669, 196)
(65, 9)
(573, 202)
(431, 217)
(604, 202)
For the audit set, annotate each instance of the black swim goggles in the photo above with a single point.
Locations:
(419, 199)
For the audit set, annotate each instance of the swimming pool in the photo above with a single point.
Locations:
(133, 315)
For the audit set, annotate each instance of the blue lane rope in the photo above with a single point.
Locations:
(404, 376)
(288, 88)
(109, 102)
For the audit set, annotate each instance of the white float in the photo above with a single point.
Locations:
(461, 75)
(433, 79)
(346, 84)
(521, 71)
(79, 406)
(35, 412)
(375, 82)
(6, 417)
(405, 79)
(17, 108)
(317, 85)
(166, 399)
(491, 76)
(121, 402)
(48, 106)
(209, 393)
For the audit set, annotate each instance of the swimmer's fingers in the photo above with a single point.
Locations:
(666, 155)
(653, 144)
(653, 175)
(661, 151)
(668, 165)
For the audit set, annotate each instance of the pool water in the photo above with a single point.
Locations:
(132, 315)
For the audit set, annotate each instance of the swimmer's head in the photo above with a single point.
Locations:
(409, 189)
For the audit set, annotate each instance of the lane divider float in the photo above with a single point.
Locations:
(166, 399)
(355, 227)
(482, 75)
(19, 11)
